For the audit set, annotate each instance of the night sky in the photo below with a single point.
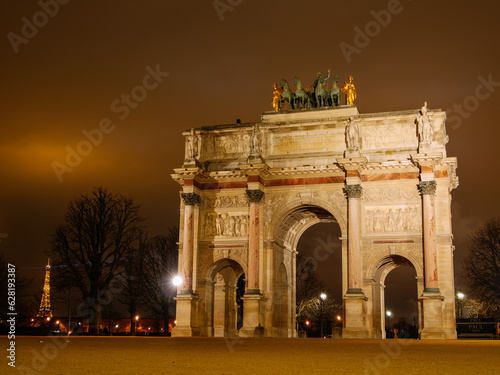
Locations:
(66, 77)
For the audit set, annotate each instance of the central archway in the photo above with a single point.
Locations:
(289, 227)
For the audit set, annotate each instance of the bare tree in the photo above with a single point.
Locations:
(160, 266)
(481, 266)
(307, 283)
(132, 279)
(321, 311)
(98, 229)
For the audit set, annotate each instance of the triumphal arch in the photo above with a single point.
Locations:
(248, 192)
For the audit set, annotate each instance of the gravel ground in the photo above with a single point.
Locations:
(160, 355)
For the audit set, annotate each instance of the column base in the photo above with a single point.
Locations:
(251, 313)
(354, 315)
(432, 319)
(186, 315)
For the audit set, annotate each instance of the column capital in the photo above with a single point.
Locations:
(353, 191)
(190, 199)
(255, 196)
(427, 187)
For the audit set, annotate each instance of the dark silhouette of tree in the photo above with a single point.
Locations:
(160, 266)
(321, 312)
(307, 284)
(98, 229)
(481, 266)
(132, 279)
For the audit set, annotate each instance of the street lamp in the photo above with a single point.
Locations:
(389, 315)
(177, 280)
(460, 301)
(322, 296)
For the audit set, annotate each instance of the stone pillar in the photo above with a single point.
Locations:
(354, 300)
(186, 300)
(428, 191)
(190, 199)
(254, 197)
(353, 193)
(253, 298)
(431, 299)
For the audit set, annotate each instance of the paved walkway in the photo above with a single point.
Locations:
(161, 355)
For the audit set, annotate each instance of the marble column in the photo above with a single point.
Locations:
(431, 299)
(354, 299)
(353, 193)
(254, 197)
(190, 199)
(187, 300)
(428, 191)
(252, 317)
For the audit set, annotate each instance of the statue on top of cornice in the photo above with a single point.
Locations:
(424, 126)
(352, 135)
(255, 141)
(192, 145)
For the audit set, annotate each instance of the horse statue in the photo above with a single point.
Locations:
(301, 97)
(286, 95)
(335, 92)
(319, 90)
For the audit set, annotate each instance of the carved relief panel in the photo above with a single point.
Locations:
(393, 219)
(225, 224)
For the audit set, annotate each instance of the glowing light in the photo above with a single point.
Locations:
(177, 280)
(48, 319)
(460, 295)
(57, 321)
(307, 322)
(322, 296)
(389, 314)
(175, 321)
(137, 317)
(116, 326)
(339, 318)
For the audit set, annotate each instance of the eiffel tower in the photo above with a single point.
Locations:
(45, 310)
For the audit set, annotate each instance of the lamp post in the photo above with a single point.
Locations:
(322, 297)
(389, 316)
(459, 302)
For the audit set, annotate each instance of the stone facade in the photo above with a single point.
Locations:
(249, 191)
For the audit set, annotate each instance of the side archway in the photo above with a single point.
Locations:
(381, 268)
(220, 310)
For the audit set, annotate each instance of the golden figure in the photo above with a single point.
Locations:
(350, 91)
(276, 97)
